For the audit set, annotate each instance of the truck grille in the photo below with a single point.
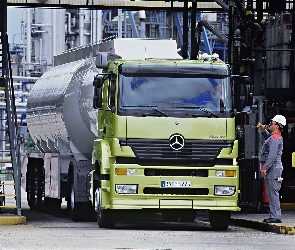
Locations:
(159, 152)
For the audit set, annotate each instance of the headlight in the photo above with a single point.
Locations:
(224, 190)
(126, 189)
(226, 173)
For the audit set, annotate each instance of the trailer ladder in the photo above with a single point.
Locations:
(9, 149)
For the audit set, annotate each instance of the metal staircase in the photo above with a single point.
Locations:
(9, 147)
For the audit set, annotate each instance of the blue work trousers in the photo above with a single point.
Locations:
(273, 186)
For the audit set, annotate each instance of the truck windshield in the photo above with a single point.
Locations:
(175, 93)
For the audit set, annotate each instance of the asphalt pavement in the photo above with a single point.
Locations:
(242, 218)
(255, 220)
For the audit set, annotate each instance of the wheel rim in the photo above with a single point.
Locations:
(97, 205)
(97, 200)
(72, 197)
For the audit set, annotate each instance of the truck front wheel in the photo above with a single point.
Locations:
(104, 216)
(219, 220)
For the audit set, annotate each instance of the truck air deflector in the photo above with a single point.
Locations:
(174, 69)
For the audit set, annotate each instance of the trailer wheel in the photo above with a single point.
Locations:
(219, 220)
(35, 187)
(104, 216)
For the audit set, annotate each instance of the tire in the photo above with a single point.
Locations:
(70, 181)
(80, 211)
(76, 208)
(35, 187)
(219, 220)
(30, 187)
(105, 217)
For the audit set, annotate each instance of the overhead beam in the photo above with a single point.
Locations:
(109, 4)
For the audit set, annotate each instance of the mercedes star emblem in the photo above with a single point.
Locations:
(176, 141)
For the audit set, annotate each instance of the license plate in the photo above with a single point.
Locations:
(175, 184)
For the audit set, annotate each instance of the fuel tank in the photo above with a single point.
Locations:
(60, 116)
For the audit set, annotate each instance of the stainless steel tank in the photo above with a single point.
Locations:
(60, 116)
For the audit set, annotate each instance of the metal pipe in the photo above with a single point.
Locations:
(72, 42)
(119, 23)
(142, 17)
(28, 38)
(185, 30)
(68, 14)
(99, 25)
(54, 32)
(81, 27)
(87, 26)
(261, 120)
(230, 51)
(40, 55)
(222, 5)
(125, 23)
(194, 52)
(221, 36)
(258, 75)
(93, 26)
(41, 24)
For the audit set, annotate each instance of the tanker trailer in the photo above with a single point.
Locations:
(63, 125)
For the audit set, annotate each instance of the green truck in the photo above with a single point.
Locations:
(166, 135)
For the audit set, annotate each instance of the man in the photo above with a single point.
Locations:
(271, 165)
(211, 96)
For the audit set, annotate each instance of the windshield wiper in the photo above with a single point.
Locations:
(199, 108)
(150, 107)
(137, 106)
(185, 107)
(207, 112)
(159, 111)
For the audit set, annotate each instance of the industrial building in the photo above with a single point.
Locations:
(254, 37)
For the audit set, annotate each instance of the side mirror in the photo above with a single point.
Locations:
(248, 96)
(246, 82)
(97, 98)
(98, 81)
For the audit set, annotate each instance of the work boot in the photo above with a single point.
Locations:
(272, 220)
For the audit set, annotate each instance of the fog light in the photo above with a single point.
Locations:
(126, 189)
(224, 190)
(226, 173)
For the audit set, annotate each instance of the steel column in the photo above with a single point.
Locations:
(185, 30)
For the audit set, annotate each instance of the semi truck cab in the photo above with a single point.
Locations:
(166, 140)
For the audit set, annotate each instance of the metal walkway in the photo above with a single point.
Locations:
(9, 148)
(124, 4)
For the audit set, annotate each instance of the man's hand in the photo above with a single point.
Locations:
(263, 171)
(261, 127)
